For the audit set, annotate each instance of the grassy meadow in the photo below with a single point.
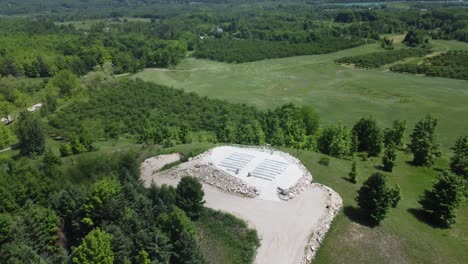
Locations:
(338, 93)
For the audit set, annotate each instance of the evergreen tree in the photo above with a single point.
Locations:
(369, 136)
(94, 249)
(389, 158)
(375, 198)
(441, 203)
(353, 174)
(424, 142)
(30, 135)
(189, 196)
(189, 252)
(459, 160)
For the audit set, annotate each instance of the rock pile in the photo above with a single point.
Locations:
(334, 204)
(208, 173)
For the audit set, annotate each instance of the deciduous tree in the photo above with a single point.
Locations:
(95, 249)
(424, 142)
(30, 135)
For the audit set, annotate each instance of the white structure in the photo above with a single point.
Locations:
(262, 168)
(35, 107)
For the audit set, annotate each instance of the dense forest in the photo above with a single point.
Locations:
(63, 200)
(453, 64)
(40, 48)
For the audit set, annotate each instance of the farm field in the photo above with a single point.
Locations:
(338, 93)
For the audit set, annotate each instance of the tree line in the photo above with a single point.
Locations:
(452, 64)
(232, 50)
(378, 59)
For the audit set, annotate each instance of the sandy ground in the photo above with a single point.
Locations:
(152, 165)
(283, 227)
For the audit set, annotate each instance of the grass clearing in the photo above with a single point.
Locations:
(337, 93)
(226, 239)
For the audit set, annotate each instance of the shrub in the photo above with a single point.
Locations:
(65, 150)
(325, 161)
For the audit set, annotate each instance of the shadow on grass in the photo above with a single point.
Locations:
(423, 217)
(356, 215)
(347, 179)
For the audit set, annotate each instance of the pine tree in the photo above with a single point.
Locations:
(441, 203)
(369, 136)
(375, 198)
(189, 196)
(459, 160)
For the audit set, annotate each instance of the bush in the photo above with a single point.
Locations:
(325, 161)
(168, 143)
(65, 150)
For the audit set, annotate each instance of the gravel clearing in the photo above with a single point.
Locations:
(290, 229)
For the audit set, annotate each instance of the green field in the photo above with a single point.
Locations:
(401, 238)
(338, 93)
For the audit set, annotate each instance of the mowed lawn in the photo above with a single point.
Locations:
(338, 93)
(402, 237)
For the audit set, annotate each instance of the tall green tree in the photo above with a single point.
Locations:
(353, 174)
(424, 142)
(369, 136)
(389, 158)
(30, 135)
(396, 134)
(335, 141)
(459, 160)
(189, 196)
(311, 120)
(441, 203)
(189, 252)
(95, 249)
(375, 198)
(66, 82)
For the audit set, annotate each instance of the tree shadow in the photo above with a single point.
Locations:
(379, 167)
(356, 215)
(347, 179)
(422, 217)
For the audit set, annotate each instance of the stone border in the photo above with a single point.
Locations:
(334, 205)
